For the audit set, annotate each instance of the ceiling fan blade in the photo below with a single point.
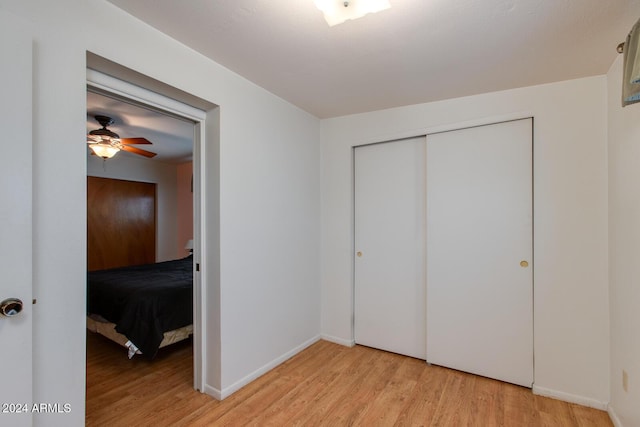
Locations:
(134, 141)
(137, 150)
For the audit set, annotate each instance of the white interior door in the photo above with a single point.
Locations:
(15, 221)
(389, 244)
(479, 251)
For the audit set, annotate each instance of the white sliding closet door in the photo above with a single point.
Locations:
(479, 251)
(389, 244)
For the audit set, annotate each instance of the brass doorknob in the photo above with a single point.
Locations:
(359, 254)
(10, 307)
(524, 264)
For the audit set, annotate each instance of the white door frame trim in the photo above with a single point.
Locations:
(104, 83)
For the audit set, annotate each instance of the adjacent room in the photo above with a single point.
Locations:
(423, 212)
(140, 222)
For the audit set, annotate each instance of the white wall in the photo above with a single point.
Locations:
(164, 175)
(624, 247)
(269, 212)
(571, 315)
(185, 207)
(270, 226)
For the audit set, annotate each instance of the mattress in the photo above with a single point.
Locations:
(143, 302)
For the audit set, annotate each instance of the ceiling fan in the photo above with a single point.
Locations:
(106, 144)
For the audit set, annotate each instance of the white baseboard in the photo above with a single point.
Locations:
(571, 398)
(341, 341)
(226, 392)
(614, 417)
(213, 392)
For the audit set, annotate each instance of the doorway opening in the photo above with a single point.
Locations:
(147, 97)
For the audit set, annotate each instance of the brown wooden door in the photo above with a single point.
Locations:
(121, 223)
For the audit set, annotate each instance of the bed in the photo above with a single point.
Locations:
(143, 307)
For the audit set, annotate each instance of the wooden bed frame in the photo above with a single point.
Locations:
(107, 329)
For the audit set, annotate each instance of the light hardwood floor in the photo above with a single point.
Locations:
(326, 384)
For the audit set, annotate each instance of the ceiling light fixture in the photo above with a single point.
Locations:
(103, 142)
(106, 143)
(338, 11)
(104, 150)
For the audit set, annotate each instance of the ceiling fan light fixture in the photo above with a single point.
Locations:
(338, 11)
(106, 151)
(106, 143)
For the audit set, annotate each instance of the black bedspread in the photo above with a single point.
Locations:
(144, 301)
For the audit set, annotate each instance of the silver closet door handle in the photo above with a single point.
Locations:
(10, 307)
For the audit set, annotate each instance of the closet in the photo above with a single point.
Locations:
(443, 241)
(121, 223)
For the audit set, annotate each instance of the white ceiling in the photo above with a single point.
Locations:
(171, 138)
(417, 51)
